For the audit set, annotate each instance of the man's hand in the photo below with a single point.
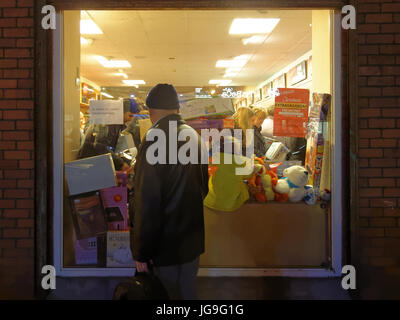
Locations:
(142, 267)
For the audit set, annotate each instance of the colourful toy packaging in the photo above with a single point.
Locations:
(315, 138)
(115, 203)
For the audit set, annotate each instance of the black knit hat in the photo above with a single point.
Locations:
(163, 96)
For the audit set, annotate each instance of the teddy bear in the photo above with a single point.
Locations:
(260, 184)
(294, 184)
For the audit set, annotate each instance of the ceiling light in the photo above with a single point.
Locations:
(121, 74)
(230, 74)
(107, 95)
(89, 27)
(85, 41)
(220, 82)
(254, 40)
(249, 26)
(133, 82)
(113, 63)
(236, 62)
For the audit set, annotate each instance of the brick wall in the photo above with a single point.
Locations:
(16, 148)
(378, 26)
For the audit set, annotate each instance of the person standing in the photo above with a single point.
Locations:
(260, 147)
(168, 220)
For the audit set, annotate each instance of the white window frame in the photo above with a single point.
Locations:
(336, 174)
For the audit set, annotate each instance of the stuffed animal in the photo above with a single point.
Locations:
(294, 183)
(260, 184)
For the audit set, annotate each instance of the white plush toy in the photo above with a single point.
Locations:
(294, 183)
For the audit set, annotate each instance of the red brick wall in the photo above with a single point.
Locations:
(16, 148)
(378, 26)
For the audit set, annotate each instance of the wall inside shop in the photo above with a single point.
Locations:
(322, 75)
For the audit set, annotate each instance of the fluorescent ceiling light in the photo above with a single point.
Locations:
(220, 82)
(113, 63)
(89, 27)
(85, 41)
(133, 82)
(121, 74)
(107, 95)
(237, 62)
(230, 63)
(249, 26)
(254, 39)
(230, 74)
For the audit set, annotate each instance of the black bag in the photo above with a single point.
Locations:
(143, 286)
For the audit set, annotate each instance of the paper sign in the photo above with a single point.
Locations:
(291, 112)
(106, 112)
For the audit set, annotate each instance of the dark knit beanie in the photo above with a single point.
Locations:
(163, 96)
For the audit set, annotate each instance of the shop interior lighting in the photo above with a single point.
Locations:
(220, 82)
(88, 26)
(113, 63)
(237, 62)
(133, 82)
(121, 74)
(254, 39)
(253, 25)
(107, 95)
(86, 42)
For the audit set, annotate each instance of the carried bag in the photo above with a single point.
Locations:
(143, 286)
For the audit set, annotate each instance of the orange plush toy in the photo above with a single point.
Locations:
(261, 183)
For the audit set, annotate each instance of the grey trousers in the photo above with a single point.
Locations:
(179, 280)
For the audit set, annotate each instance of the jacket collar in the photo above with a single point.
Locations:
(167, 118)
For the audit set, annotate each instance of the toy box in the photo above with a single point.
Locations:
(86, 251)
(88, 215)
(315, 137)
(115, 205)
(118, 249)
(90, 174)
(193, 108)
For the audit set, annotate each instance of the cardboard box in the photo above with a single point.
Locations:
(115, 201)
(90, 174)
(315, 138)
(277, 152)
(198, 107)
(86, 251)
(119, 250)
(211, 123)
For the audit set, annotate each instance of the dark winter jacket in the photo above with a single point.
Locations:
(167, 208)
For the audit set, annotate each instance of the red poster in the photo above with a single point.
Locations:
(291, 112)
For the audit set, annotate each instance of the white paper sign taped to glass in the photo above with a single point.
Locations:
(106, 112)
(193, 108)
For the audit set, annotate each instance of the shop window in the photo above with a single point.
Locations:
(111, 59)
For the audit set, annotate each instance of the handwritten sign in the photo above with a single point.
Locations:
(106, 112)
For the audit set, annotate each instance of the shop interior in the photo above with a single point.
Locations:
(244, 57)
